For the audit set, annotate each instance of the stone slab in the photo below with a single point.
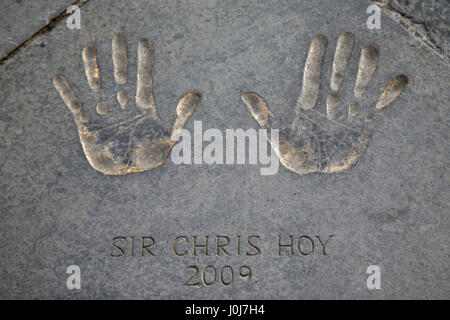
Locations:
(391, 209)
(22, 18)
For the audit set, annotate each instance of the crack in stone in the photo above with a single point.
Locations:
(417, 30)
(47, 28)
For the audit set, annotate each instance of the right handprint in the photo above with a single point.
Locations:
(318, 142)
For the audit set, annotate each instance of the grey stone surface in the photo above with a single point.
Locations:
(427, 21)
(435, 15)
(391, 209)
(22, 18)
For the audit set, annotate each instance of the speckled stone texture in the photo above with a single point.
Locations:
(435, 15)
(20, 19)
(391, 209)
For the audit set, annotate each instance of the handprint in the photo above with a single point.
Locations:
(131, 138)
(317, 142)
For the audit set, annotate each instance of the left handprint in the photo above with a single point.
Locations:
(132, 138)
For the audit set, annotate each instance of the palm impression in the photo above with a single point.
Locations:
(124, 137)
(317, 142)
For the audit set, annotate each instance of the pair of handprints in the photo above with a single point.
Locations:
(130, 137)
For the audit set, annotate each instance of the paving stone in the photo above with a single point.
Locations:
(22, 18)
(389, 209)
